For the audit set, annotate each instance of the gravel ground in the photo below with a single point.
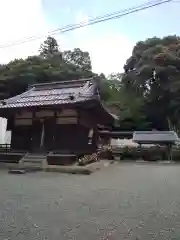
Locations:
(126, 201)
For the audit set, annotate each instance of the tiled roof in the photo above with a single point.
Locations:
(155, 137)
(57, 93)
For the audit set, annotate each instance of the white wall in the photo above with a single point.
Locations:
(5, 136)
(123, 143)
(127, 142)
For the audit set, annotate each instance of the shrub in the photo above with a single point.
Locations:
(105, 154)
(155, 153)
(129, 153)
(176, 154)
(148, 154)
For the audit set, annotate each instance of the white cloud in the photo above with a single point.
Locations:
(21, 19)
(81, 17)
(109, 50)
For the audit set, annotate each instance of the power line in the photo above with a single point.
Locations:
(99, 19)
(92, 19)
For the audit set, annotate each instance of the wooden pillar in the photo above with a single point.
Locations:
(140, 151)
(42, 136)
(169, 152)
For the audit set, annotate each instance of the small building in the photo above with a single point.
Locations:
(166, 138)
(155, 137)
(58, 117)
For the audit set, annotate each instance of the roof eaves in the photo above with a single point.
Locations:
(63, 83)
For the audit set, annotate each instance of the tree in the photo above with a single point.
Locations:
(132, 114)
(50, 48)
(79, 58)
(153, 72)
(47, 67)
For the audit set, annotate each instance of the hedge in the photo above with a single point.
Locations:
(147, 154)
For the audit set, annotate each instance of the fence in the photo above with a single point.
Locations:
(5, 147)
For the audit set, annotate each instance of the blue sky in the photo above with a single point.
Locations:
(122, 33)
(109, 43)
(160, 20)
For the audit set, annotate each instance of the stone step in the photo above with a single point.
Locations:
(27, 166)
(35, 156)
(31, 166)
(33, 160)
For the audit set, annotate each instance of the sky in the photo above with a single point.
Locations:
(109, 43)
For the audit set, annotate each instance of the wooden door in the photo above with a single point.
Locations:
(21, 138)
(49, 133)
(36, 135)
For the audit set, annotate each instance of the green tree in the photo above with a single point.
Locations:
(123, 102)
(109, 87)
(153, 72)
(50, 48)
(132, 114)
(47, 67)
(79, 58)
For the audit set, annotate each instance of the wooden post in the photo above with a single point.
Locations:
(140, 148)
(42, 136)
(169, 152)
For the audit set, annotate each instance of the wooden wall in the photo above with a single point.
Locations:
(21, 137)
(64, 131)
